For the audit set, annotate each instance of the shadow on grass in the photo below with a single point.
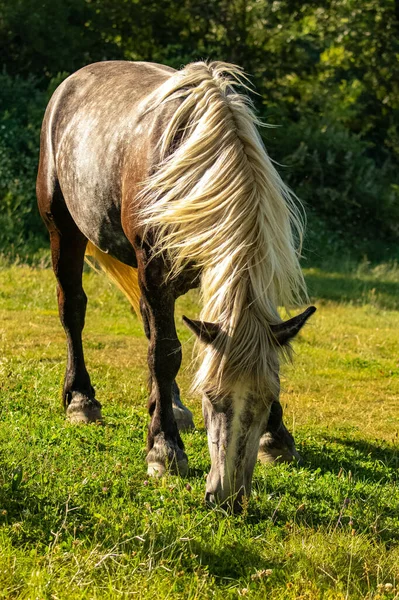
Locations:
(338, 287)
(35, 518)
(230, 561)
(341, 478)
(366, 460)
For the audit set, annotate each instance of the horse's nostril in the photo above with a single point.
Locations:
(210, 498)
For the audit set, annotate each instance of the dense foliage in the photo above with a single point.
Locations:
(327, 74)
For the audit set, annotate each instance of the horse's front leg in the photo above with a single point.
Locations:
(183, 416)
(164, 444)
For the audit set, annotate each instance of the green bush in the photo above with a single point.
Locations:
(327, 71)
(351, 201)
(21, 229)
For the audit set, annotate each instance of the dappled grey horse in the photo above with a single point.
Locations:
(162, 177)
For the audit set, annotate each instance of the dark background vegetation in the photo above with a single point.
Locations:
(327, 74)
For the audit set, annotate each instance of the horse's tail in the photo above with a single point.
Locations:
(123, 276)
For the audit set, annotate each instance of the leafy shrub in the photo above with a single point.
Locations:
(351, 200)
(20, 225)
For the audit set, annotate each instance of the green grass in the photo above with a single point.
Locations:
(80, 519)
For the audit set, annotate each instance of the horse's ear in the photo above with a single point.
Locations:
(284, 332)
(206, 332)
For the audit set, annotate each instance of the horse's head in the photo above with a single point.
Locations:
(236, 420)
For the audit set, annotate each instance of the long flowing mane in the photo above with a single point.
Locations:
(217, 201)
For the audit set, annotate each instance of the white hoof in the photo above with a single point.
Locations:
(83, 410)
(184, 418)
(155, 469)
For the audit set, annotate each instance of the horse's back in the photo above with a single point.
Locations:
(104, 94)
(98, 145)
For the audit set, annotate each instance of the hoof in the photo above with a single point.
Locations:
(84, 410)
(156, 469)
(184, 418)
(163, 457)
(270, 451)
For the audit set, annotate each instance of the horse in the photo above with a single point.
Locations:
(161, 176)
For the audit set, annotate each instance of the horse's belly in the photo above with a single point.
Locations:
(102, 226)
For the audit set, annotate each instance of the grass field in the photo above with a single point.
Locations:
(80, 519)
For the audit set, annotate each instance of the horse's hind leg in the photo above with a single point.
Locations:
(183, 416)
(277, 444)
(68, 246)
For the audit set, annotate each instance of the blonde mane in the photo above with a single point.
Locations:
(217, 201)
